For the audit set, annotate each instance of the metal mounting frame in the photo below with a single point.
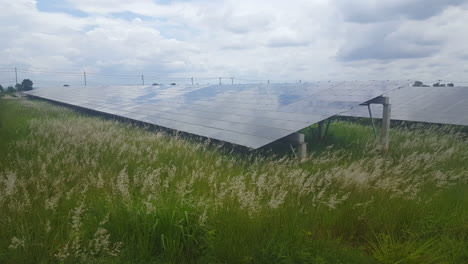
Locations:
(299, 140)
(386, 115)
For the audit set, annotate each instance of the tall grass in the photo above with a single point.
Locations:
(81, 189)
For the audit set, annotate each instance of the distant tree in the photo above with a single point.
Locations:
(18, 87)
(173, 83)
(11, 89)
(155, 84)
(450, 85)
(418, 84)
(66, 85)
(1, 89)
(27, 85)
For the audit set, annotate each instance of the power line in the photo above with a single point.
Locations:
(169, 78)
(89, 77)
(454, 81)
(114, 75)
(48, 72)
(122, 76)
(136, 77)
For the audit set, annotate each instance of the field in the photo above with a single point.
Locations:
(83, 189)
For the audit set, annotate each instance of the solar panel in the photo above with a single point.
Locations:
(443, 105)
(248, 115)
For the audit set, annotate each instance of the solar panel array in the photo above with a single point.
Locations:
(247, 115)
(444, 105)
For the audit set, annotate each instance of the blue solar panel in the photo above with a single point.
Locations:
(444, 105)
(248, 115)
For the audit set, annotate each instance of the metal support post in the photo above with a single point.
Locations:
(302, 149)
(386, 115)
(326, 129)
(372, 121)
(320, 130)
(298, 140)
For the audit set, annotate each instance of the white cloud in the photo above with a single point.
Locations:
(369, 11)
(284, 40)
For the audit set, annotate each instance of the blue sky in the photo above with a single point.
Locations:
(59, 6)
(277, 40)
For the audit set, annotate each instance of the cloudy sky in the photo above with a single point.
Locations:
(254, 40)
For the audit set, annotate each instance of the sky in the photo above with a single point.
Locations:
(54, 42)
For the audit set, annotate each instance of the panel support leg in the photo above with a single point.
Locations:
(326, 129)
(386, 115)
(298, 140)
(372, 121)
(320, 131)
(302, 150)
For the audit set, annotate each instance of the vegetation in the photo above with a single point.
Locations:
(27, 85)
(437, 84)
(419, 84)
(80, 189)
(11, 89)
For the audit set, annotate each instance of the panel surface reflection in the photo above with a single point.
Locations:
(443, 105)
(250, 115)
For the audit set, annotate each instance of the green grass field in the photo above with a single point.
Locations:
(83, 189)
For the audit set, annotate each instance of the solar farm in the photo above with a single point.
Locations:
(197, 174)
(424, 104)
(246, 115)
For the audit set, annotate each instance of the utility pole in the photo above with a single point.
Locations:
(143, 79)
(192, 80)
(16, 76)
(84, 76)
(268, 81)
(220, 79)
(232, 80)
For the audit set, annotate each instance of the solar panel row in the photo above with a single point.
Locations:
(444, 105)
(247, 115)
